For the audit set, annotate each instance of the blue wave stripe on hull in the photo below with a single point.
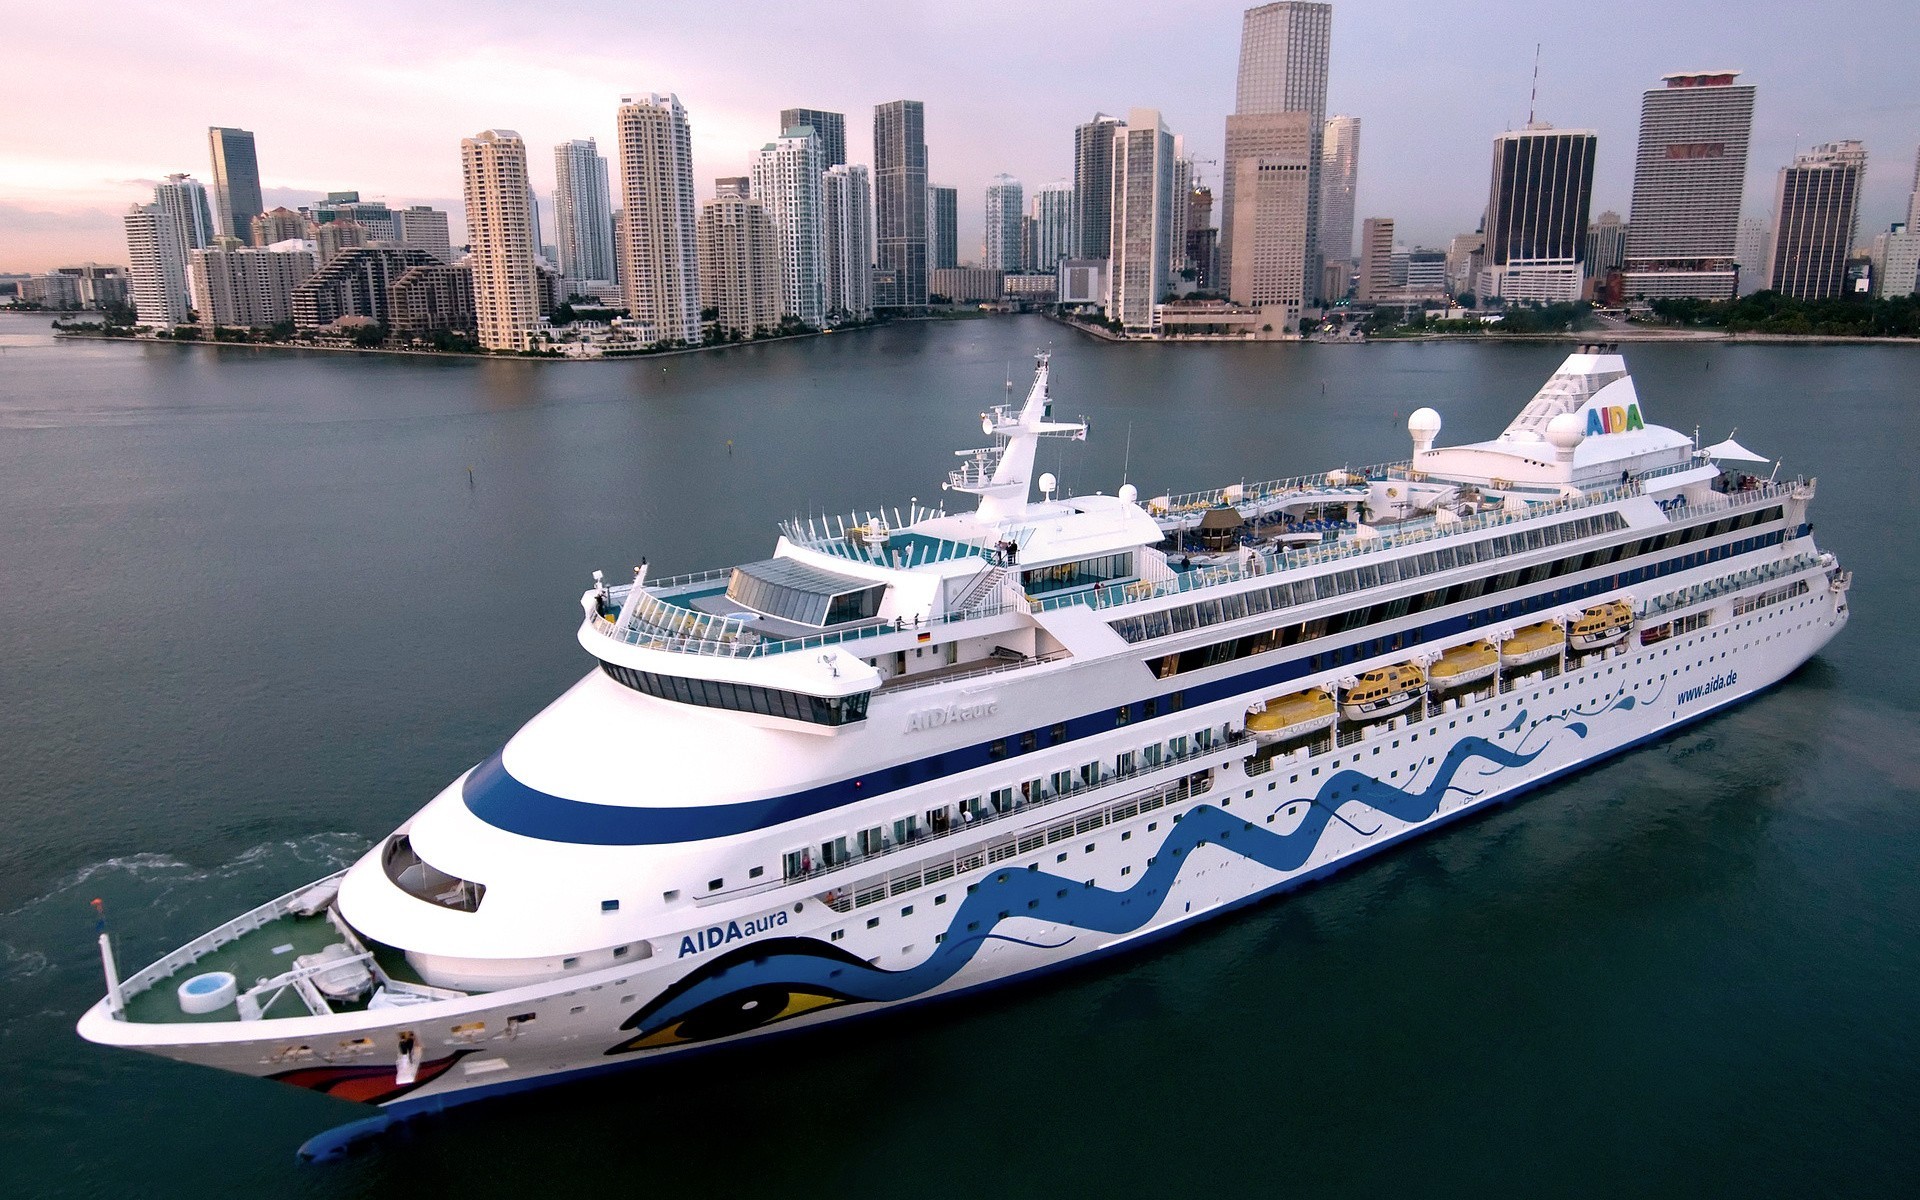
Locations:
(1047, 897)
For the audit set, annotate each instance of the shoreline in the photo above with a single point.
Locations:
(1639, 336)
(80, 335)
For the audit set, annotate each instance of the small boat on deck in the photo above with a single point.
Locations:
(1284, 718)
(1382, 692)
(1532, 644)
(1462, 665)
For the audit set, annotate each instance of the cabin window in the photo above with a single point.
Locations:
(737, 697)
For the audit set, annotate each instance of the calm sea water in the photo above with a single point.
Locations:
(257, 607)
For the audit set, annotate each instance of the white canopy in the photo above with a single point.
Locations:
(1734, 451)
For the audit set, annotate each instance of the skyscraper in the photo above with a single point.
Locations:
(583, 212)
(1202, 238)
(1376, 259)
(1177, 215)
(661, 271)
(506, 302)
(185, 199)
(848, 195)
(278, 225)
(423, 228)
(1537, 205)
(1272, 182)
(158, 269)
(900, 201)
(236, 181)
(786, 179)
(1283, 69)
(1816, 215)
(1000, 236)
(1339, 182)
(1093, 185)
(943, 227)
(739, 264)
(1687, 179)
(1052, 225)
(1606, 244)
(1913, 200)
(1141, 222)
(829, 127)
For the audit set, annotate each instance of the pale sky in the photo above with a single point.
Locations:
(103, 99)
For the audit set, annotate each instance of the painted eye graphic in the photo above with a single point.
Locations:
(738, 1012)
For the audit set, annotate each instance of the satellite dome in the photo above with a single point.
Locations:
(1129, 493)
(1048, 483)
(1424, 421)
(1566, 431)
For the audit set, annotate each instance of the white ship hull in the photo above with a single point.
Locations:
(1126, 878)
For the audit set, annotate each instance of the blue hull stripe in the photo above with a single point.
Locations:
(496, 797)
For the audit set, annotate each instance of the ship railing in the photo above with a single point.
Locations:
(1271, 489)
(908, 683)
(926, 872)
(1699, 593)
(659, 626)
(1218, 746)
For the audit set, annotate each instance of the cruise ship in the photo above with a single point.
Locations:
(913, 754)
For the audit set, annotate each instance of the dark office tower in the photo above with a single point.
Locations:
(943, 227)
(1093, 186)
(1816, 214)
(1537, 215)
(829, 127)
(236, 181)
(900, 202)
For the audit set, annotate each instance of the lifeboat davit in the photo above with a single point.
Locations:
(1292, 716)
(1382, 692)
(1600, 626)
(1532, 644)
(1463, 665)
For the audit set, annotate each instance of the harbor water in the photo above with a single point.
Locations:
(257, 606)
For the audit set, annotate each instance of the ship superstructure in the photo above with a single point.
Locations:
(918, 752)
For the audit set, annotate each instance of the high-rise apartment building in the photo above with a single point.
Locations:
(1177, 220)
(278, 225)
(1141, 223)
(1606, 244)
(848, 197)
(1376, 260)
(356, 283)
(1052, 225)
(740, 273)
(1339, 184)
(1000, 236)
(1203, 249)
(829, 127)
(1537, 207)
(1466, 254)
(1687, 180)
(661, 270)
(422, 301)
(158, 269)
(1750, 252)
(185, 199)
(373, 215)
(247, 288)
(1913, 200)
(1816, 215)
(98, 286)
(506, 300)
(236, 181)
(424, 228)
(900, 202)
(943, 227)
(1270, 189)
(335, 236)
(1283, 69)
(786, 179)
(583, 212)
(1093, 185)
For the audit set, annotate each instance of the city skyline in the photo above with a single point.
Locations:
(61, 197)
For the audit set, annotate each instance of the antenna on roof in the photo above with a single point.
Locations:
(1535, 93)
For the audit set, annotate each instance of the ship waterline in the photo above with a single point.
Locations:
(919, 752)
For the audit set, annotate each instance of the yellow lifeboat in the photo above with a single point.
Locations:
(1532, 644)
(1287, 717)
(1463, 665)
(1601, 625)
(1382, 692)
